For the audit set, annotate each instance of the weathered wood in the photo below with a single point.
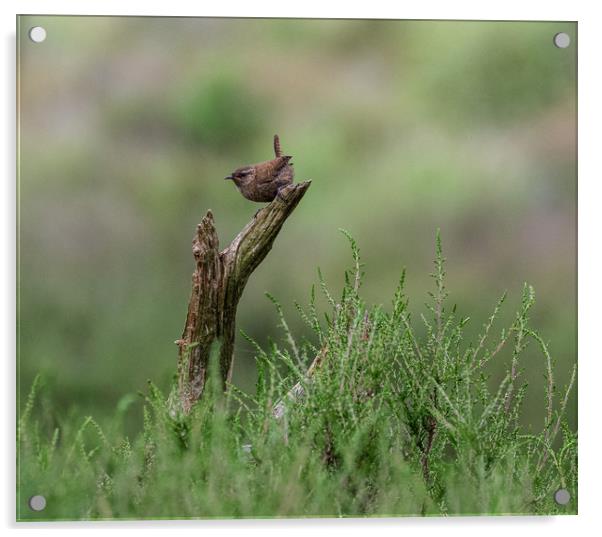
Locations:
(218, 282)
(297, 392)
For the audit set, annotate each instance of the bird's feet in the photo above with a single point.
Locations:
(279, 195)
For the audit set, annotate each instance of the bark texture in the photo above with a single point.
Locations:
(218, 282)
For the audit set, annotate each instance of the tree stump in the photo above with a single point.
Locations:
(218, 282)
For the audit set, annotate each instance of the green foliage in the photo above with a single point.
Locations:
(388, 423)
(483, 62)
(221, 112)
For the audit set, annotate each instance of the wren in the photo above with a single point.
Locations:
(261, 182)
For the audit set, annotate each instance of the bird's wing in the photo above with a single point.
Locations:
(267, 171)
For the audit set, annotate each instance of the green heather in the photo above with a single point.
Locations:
(404, 417)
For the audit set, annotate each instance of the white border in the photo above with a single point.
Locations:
(590, 268)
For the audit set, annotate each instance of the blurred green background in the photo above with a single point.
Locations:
(128, 126)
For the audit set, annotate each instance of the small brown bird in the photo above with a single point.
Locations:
(262, 182)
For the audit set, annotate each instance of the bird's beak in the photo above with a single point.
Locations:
(229, 177)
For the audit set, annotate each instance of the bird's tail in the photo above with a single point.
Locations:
(277, 149)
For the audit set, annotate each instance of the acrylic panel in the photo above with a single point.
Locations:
(295, 268)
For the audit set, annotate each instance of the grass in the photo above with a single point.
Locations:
(401, 417)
